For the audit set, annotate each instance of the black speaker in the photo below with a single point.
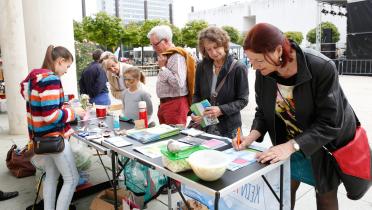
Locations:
(329, 50)
(327, 35)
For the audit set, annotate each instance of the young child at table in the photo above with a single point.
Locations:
(135, 93)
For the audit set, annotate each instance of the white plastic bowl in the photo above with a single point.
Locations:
(209, 165)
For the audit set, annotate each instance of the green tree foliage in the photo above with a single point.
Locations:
(311, 35)
(145, 29)
(79, 33)
(295, 36)
(233, 34)
(103, 29)
(131, 35)
(83, 53)
(191, 30)
(177, 35)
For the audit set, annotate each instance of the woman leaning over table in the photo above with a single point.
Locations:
(48, 117)
(114, 71)
(301, 105)
(233, 96)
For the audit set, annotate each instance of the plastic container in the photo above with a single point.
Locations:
(209, 165)
(176, 161)
(142, 115)
(116, 122)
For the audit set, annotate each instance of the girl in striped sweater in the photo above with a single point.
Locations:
(43, 92)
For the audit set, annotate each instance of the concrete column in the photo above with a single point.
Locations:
(50, 22)
(13, 48)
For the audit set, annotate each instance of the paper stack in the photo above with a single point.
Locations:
(153, 134)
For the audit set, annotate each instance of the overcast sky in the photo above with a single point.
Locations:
(181, 8)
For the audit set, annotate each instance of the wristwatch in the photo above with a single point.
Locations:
(295, 145)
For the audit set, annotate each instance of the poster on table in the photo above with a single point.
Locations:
(253, 195)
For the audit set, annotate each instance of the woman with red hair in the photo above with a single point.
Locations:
(301, 105)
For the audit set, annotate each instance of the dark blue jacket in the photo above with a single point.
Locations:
(93, 80)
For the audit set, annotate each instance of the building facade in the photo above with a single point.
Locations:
(288, 15)
(134, 10)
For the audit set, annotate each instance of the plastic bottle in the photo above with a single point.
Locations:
(116, 122)
(143, 112)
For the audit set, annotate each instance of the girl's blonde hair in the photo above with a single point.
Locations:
(136, 73)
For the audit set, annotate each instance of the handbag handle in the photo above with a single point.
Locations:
(215, 94)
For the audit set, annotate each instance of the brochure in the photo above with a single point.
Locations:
(213, 144)
(199, 108)
(118, 141)
(192, 132)
(153, 134)
(152, 150)
(241, 158)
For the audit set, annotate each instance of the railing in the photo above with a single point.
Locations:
(150, 70)
(354, 66)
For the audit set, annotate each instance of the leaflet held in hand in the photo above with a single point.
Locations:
(199, 108)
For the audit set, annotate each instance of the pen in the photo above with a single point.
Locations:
(238, 137)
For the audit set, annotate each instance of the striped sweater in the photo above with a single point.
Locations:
(49, 116)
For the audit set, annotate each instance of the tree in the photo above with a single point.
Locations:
(296, 36)
(233, 34)
(103, 29)
(79, 33)
(177, 35)
(311, 35)
(131, 35)
(146, 27)
(191, 30)
(83, 53)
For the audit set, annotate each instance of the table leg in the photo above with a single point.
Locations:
(169, 194)
(114, 181)
(183, 197)
(281, 187)
(216, 200)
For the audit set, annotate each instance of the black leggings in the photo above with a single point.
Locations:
(325, 201)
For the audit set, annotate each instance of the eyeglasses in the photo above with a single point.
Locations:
(129, 79)
(156, 44)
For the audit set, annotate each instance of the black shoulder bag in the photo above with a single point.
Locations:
(44, 145)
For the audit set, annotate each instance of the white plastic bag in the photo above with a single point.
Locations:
(82, 154)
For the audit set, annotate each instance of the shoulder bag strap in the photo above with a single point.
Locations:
(224, 79)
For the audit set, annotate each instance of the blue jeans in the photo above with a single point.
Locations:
(54, 165)
(101, 99)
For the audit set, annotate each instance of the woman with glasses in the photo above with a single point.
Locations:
(301, 105)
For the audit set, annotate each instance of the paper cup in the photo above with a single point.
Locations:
(101, 111)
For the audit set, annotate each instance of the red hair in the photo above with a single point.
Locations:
(264, 38)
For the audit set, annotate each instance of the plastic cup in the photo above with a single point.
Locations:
(101, 111)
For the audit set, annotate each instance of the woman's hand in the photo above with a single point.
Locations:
(196, 119)
(276, 153)
(212, 112)
(245, 141)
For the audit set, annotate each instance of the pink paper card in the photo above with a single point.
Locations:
(213, 143)
(240, 161)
